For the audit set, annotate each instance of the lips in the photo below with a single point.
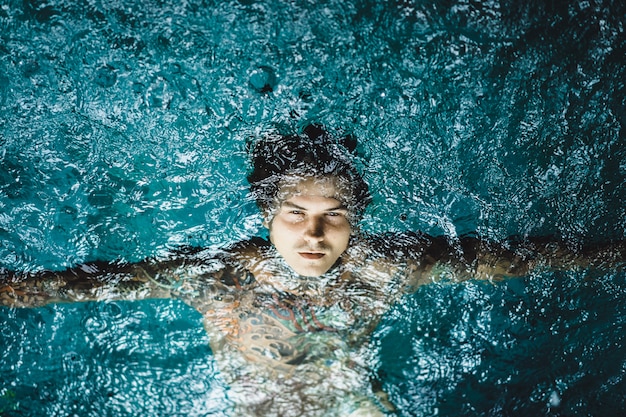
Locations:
(312, 255)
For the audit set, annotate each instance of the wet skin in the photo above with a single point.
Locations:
(310, 228)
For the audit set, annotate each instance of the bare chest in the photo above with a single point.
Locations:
(283, 330)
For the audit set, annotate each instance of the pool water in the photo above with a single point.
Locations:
(123, 133)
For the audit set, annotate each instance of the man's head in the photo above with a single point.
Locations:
(311, 196)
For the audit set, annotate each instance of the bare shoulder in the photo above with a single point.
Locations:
(419, 258)
(248, 251)
(248, 255)
(393, 259)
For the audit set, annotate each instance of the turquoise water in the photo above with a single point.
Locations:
(123, 132)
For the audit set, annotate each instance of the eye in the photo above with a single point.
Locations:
(295, 214)
(336, 215)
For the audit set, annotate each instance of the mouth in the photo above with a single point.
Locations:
(312, 255)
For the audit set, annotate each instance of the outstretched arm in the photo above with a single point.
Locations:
(557, 254)
(515, 257)
(91, 281)
(432, 258)
(190, 274)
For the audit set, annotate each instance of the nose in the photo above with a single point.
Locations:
(314, 229)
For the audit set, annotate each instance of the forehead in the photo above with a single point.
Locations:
(327, 187)
(324, 193)
(312, 204)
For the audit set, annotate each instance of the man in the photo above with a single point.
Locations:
(289, 319)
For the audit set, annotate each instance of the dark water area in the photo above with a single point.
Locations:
(551, 345)
(123, 131)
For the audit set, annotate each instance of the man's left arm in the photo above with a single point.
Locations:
(430, 259)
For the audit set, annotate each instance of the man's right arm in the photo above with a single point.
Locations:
(93, 281)
(193, 275)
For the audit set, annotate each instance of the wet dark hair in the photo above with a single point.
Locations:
(313, 154)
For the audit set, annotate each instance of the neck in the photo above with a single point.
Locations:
(276, 273)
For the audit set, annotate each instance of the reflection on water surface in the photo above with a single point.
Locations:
(123, 135)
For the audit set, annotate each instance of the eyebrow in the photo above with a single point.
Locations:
(292, 205)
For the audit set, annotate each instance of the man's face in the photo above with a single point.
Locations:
(310, 228)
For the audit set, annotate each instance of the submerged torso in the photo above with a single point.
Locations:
(273, 329)
(275, 317)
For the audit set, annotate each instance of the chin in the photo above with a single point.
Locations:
(311, 271)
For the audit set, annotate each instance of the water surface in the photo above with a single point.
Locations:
(123, 131)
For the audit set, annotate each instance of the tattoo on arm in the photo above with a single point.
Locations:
(87, 282)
